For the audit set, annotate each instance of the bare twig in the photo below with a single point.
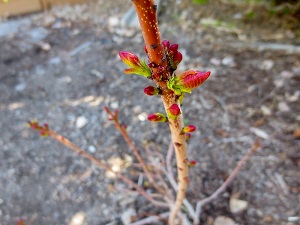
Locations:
(46, 131)
(151, 219)
(114, 117)
(227, 182)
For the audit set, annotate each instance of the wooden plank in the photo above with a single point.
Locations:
(64, 2)
(17, 7)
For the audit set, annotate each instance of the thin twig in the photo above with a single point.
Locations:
(102, 165)
(226, 183)
(114, 117)
(151, 219)
(165, 189)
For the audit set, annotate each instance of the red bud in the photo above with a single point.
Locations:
(150, 90)
(177, 58)
(192, 163)
(157, 117)
(166, 44)
(174, 110)
(174, 48)
(189, 129)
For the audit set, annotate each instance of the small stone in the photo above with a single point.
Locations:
(81, 121)
(278, 83)
(286, 74)
(259, 133)
(222, 220)
(237, 205)
(128, 216)
(228, 61)
(55, 61)
(215, 61)
(20, 87)
(265, 110)
(283, 107)
(92, 149)
(267, 64)
(78, 219)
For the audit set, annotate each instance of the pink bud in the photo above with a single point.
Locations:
(177, 58)
(150, 90)
(157, 117)
(189, 129)
(129, 59)
(174, 110)
(174, 48)
(166, 44)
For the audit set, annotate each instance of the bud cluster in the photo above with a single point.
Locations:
(172, 53)
(36, 126)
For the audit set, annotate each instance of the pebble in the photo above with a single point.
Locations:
(215, 61)
(283, 107)
(78, 219)
(92, 149)
(222, 220)
(81, 121)
(54, 60)
(259, 133)
(228, 61)
(20, 87)
(267, 64)
(265, 110)
(237, 205)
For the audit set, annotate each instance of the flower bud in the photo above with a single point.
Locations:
(174, 48)
(166, 44)
(157, 117)
(192, 163)
(177, 58)
(174, 111)
(189, 129)
(136, 66)
(129, 59)
(150, 90)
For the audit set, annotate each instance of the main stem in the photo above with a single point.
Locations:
(146, 11)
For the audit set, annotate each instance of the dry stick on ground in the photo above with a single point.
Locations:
(146, 11)
(227, 182)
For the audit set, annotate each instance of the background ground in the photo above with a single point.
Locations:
(62, 67)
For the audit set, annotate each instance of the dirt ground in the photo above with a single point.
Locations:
(62, 67)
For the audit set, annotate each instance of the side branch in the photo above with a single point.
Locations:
(227, 182)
